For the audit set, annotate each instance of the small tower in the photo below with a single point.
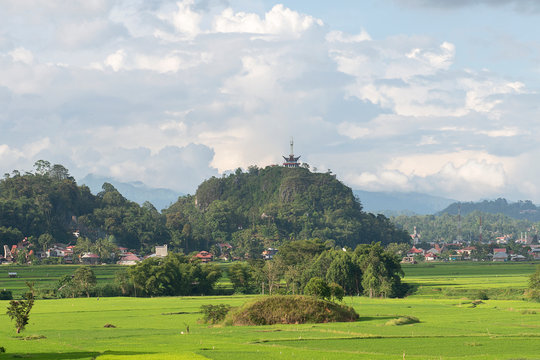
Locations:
(291, 161)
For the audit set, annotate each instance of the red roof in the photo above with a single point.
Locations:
(204, 255)
(130, 257)
(90, 255)
(503, 250)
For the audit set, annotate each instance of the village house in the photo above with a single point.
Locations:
(500, 255)
(129, 259)
(161, 251)
(466, 252)
(414, 252)
(204, 256)
(89, 258)
(408, 260)
(429, 256)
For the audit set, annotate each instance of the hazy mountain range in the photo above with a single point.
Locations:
(134, 191)
(399, 203)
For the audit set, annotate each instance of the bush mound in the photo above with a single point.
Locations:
(403, 320)
(290, 309)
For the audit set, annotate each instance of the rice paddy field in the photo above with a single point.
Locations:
(169, 328)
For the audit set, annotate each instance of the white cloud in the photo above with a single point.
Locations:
(279, 20)
(340, 36)
(20, 54)
(116, 60)
(209, 88)
(185, 20)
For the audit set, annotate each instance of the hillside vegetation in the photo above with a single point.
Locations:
(520, 210)
(251, 210)
(266, 207)
(290, 310)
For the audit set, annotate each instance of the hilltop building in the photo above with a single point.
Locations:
(291, 161)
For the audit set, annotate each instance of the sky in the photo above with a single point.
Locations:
(432, 96)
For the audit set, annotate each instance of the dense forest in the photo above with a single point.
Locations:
(520, 210)
(250, 210)
(444, 227)
(267, 207)
(47, 206)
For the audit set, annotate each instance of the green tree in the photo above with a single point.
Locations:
(45, 241)
(241, 278)
(319, 288)
(84, 280)
(19, 310)
(337, 292)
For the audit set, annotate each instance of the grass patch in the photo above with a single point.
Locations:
(290, 310)
(402, 320)
(32, 337)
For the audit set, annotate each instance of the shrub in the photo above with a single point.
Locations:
(482, 295)
(290, 309)
(214, 314)
(6, 295)
(403, 320)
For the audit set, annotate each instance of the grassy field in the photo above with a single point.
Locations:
(156, 328)
(430, 279)
(498, 280)
(47, 275)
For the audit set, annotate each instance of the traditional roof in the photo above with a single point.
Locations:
(90, 256)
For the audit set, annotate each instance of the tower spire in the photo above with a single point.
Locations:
(291, 160)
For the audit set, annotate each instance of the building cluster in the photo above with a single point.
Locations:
(460, 250)
(65, 254)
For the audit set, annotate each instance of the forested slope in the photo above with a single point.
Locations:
(265, 207)
(251, 210)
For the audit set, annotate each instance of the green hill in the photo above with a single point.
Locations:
(266, 207)
(251, 210)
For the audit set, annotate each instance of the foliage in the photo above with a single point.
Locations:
(337, 292)
(48, 205)
(290, 309)
(19, 310)
(84, 280)
(533, 292)
(274, 204)
(319, 288)
(444, 227)
(242, 278)
(369, 269)
(173, 275)
(520, 210)
(214, 314)
(6, 295)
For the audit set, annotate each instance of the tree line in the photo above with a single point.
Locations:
(251, 210)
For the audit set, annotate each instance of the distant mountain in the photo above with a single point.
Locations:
(399, 203)
(521, 210)
(134, 191)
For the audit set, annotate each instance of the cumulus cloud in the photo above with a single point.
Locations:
(172, 92)
(279, 20)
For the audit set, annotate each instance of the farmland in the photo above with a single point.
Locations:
(157, 328)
